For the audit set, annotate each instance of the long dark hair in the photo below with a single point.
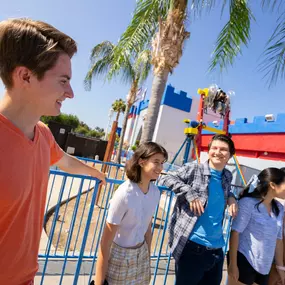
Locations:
(144, 151)
(274, 175)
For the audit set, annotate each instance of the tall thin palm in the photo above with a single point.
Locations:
(133, 68)
(119, 106)
(163, 23)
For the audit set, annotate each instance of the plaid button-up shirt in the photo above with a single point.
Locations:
(189, 182)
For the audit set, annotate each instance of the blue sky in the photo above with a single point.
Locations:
(91, 22)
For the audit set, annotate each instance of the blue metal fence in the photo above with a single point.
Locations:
(74, 224)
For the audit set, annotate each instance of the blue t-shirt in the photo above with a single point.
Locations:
(208, 230)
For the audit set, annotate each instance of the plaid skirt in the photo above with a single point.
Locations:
(129, 266)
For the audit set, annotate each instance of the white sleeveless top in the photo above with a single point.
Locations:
(132, 210)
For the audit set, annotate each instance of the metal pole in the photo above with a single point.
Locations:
(187, 149)
(110, 115)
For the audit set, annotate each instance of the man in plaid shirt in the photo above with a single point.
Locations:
(195, 231)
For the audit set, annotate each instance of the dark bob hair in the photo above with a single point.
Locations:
(274, 175)
(144, 151)
(226, 139)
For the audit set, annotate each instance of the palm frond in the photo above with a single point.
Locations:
(273, 4)
(143, 65)
(143, 26)
(99, 69)
(197, 7)
(273, 64)
(102, 65)
(101, 50)
(235, 33)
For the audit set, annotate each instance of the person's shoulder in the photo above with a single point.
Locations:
(154, 189)
(228, 175)
(227, 172)
(44, 129)
(248, 202)
(194, 166)
(42, 126)
(125, 189)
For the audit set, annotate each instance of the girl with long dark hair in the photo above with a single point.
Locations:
(257, 231)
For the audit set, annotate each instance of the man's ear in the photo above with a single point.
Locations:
(22, 76)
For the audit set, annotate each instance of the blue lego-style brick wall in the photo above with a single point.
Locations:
(177, 100)
(258, 126)
(142, 105)
(133, 110)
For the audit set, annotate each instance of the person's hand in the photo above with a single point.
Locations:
(281, 273)
(196, 207)
(233, 207)
(102, 177)
(233, 272)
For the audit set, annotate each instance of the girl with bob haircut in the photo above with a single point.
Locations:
(124, 253)
(257, 231)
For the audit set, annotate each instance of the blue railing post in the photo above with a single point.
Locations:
(90, 214)
(161, 250)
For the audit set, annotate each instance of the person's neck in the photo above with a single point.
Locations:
(20, 113)
(144, 184)
(268, 202)
(216, 167)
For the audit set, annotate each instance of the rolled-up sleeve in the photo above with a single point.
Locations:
(281, 226)
(244, 215)
(180, 182)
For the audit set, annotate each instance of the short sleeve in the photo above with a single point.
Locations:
(56, 153)
(118, 206)
(244, 215)
(280, 232)
(156, 193)
(281, 227)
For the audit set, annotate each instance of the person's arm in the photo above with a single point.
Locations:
(233, 268)
(231, 201)
(279, 253)
(148, 237)
(180, 181)
(279, 257)
(104, 253)
(233, 206)
(73, 165)
(238, 226)
(117, 210)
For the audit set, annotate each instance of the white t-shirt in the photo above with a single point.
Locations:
(132, 210)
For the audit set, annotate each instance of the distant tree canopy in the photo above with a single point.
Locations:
(78, 126)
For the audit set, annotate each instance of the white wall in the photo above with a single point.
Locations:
(169, 130)
(128, 135)
(138, 124)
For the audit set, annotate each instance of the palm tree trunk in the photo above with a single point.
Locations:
(124, 126)
(158, 87)
(166, 53)
(130, 101)
(117, 116)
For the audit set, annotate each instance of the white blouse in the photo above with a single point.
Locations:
(132, 210)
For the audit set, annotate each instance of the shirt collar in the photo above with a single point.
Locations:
(207, 170)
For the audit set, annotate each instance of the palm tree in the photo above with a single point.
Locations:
(133, 68)
(119, 106)
(163, 23)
